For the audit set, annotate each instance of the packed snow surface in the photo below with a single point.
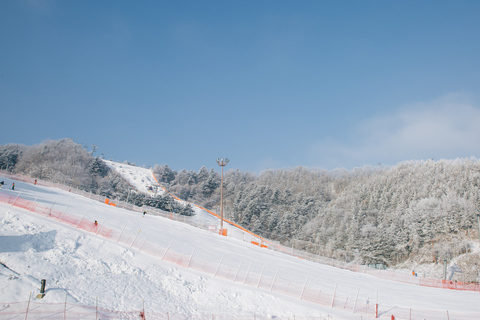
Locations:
(85, 267)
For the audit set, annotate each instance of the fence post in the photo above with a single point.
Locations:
(65, 308)
(146, 240)
(50, 211)
(135, 237)
(261, 275)
(303, 290)
(80, 220)
(101, 226)
(334, 292)
(61, 217)
(218, 267)
(28, 305)
(248, 270)
(33, 203)
(273, 282)
(121, 232)
(191, 257)
(164, 254)
(355, 303)
(238, 270)
(18, 195)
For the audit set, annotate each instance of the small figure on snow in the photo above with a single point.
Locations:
(95, 223)
(2, 183)
(144, 212)
(13, 186)
(35, 182)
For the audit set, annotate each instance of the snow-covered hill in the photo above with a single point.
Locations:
(139, 178)
(143, 180)
(127, 269)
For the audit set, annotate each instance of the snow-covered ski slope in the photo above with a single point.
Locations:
(140, 179)
(176, 271)
(143, 180)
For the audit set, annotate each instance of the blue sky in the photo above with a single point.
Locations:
(268, 84)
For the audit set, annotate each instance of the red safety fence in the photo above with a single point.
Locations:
(426, 282)
(49, 212)
(448, 284)
(68, 311)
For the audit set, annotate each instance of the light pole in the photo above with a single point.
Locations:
(222, 162)
(478, 220)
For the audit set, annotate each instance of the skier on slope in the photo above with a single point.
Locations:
(13, 186)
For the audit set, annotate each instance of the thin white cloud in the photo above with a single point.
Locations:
(448, 127)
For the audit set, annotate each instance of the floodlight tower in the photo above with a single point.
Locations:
(222, 162)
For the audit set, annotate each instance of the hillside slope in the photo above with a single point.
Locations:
(204, 274)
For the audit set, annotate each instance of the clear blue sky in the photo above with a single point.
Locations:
(268, 84)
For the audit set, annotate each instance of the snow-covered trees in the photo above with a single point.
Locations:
(164, 174)
(376, 215)
(63, 161)
(201, 187)
(9, 155)
(164, 202)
